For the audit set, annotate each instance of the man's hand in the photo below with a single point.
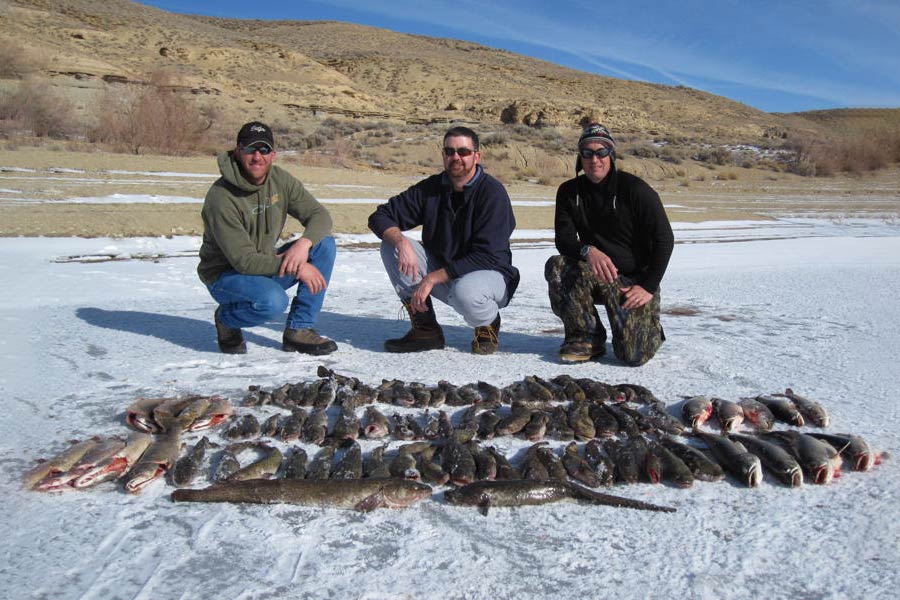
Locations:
(407, 260)
(419, 298)
(601, 265)
(294, 258)
(312, 278)
(635, 296)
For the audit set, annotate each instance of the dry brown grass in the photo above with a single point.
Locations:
(345, 94)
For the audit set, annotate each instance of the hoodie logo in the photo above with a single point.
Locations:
(272, 201)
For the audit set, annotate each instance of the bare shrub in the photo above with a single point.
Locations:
(39, 108)
(15, 60)
(155, 117)
(715, 155)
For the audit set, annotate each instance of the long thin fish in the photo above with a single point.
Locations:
(358, 494)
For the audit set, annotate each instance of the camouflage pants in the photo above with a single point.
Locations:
(574, 291)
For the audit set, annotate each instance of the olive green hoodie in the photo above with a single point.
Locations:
(243, 221)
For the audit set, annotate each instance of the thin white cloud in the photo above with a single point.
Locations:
(695, 43)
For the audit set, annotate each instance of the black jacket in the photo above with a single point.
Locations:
(623, 217)
(474, 237)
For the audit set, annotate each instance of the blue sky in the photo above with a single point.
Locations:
(778, 56)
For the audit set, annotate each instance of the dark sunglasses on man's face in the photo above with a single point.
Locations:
(587, 153)
(463, 152)
(248, 150)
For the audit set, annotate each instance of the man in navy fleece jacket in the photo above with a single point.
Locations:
(464, 258)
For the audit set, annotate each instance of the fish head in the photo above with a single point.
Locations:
(751, 467)
(401, 494)
(863, 461)
(823, 473)
(796, 476)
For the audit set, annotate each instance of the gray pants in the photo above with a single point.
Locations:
(477, 296)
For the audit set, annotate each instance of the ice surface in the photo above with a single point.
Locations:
(812, 306)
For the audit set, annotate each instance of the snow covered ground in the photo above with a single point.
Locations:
(807, 304)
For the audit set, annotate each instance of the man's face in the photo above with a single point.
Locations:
(460, 168)
(596, 168)
(255, 165)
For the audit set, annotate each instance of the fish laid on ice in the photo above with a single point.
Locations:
(729, 414)
(578, 468)
(187, 467)
(265, 466)
(139, 414)
(359, 494)
(744, 465)
(377, 425)
(783, 409)
(696, 411)
(813, 411)
(218, 410)
(294, 466)
(701, 466)
(862, 458)
(119, 463)
(350, 466)
(155, 462)
(673, 468)
(774, 458)
(98, 453)
(522, 492)
(757, 414)
(60, 463)
(819, 460)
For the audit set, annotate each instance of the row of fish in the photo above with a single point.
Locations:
(350, 392)
(761, 411)
(459, 460)
(578, 419)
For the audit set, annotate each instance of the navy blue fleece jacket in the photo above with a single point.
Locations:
(472, 238)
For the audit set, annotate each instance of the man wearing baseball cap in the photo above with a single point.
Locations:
(244, 214)
(614, 240)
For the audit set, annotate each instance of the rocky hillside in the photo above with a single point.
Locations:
(299, 74)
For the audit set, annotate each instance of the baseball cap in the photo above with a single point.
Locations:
(255, 132)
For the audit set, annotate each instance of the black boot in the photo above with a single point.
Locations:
(487, 338)
(425, 333)
(231, 340)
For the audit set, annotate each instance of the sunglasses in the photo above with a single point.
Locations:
(587, 153)
(463, 152)
(248, 150)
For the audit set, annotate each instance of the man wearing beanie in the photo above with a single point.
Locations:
(614, 241)
(244, 213)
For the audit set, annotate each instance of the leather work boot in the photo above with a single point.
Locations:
(487, 338)
(306, 341)
(425, 333)
(231, 340)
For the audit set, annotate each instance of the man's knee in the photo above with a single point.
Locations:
(270, 303)
(325, 250)
(639, 346)
(553, 268)
(475, 299)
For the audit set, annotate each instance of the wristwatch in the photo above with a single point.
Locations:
(584, 251)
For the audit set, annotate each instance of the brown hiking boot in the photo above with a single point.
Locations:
(487, 338)
(425, 333)
(306, 341)
(231, 340)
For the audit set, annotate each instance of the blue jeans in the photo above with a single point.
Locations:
(249, 300)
